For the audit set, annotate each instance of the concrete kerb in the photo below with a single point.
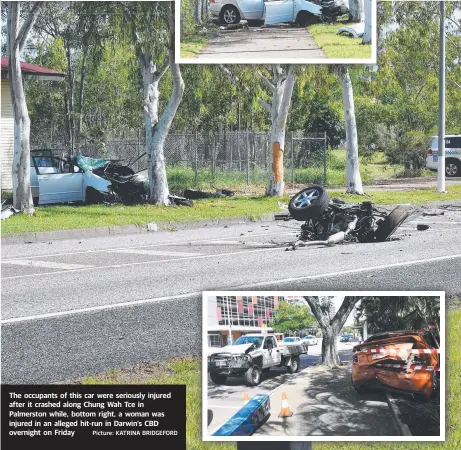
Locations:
(403, 428)
(78, 233)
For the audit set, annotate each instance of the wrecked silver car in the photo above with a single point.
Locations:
(330, 221)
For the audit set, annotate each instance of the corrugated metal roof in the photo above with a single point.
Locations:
(32, 69)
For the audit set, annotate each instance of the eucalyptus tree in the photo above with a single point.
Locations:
(17, 36)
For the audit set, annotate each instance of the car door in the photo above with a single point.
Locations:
(251, 9)
(56, 183)
(267, 352)
(278, 11)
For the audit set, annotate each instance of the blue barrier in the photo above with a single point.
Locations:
(247, 419)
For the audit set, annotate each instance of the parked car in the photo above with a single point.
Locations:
(405, 361)
(310, 340)
(250, 354)
(292, 339)
(302, 12)
(452, 155)
(344, 338)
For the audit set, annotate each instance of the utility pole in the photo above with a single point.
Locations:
(441, 145)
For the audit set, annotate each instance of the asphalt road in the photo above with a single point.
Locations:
(75, 307)
(255, 44)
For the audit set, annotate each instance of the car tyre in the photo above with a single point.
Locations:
(229, 15)
(392, 221)
(253, 376)
(294, 365)
(305, 18)
(309, 203)
(217, 379)
(452, 168)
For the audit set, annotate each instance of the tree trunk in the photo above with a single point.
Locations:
(367, 36)
(71, 80)
(330, 356)
(280, 106)
(22, 195)
(198, 12)
(356, 10)
(353, 179)
(81, 95)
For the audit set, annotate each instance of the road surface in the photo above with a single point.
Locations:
(75, 307)
(260, 44)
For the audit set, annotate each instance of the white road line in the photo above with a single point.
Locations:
(192, 294)
(159, 261)
(47, 264)
(184, 243)
(140, 251)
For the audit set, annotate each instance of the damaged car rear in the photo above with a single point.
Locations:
(402, 361)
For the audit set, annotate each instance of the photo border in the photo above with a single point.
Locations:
(206, 437)
(256, 61)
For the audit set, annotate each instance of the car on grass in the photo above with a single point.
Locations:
(452, 155)
(310, 340)
(302, 12)
(404, 361)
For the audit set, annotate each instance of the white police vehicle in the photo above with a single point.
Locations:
(452, 155)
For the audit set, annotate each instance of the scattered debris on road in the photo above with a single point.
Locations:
(422, 227)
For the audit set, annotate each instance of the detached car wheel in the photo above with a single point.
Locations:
(253, 376)
(452, 168)
(393, 220)
(217, 379)
(309, 203)
(229, 15)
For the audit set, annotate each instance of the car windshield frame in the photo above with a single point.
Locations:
(255, 340)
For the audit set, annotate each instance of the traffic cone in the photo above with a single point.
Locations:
(285, 411)
(246, 398)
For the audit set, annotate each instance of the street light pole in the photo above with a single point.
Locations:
(441, 145)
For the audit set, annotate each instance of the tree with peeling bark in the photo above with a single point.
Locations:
(17, 36)
(368, 12)
(280, 87)
(353, 178)
(151, 48)
(356, 10)
(331, 326)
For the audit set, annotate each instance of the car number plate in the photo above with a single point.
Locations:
(220, 363)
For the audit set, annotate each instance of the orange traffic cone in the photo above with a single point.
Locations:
(285, 410)
(246, 397)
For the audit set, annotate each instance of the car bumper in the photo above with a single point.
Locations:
(432, 162)
(214, 9)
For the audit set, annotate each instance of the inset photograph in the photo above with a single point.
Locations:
(276, 31)
(323, 366)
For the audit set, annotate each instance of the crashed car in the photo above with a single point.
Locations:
(302, 12)
(330, 221)
(403, 361)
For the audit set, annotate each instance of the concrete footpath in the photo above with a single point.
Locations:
(324, 403)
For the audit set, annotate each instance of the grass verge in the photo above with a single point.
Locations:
(90, 216)
(336, 46)
(190, 46)
(187, 371)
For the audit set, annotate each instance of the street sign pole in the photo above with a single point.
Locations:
(441, 145)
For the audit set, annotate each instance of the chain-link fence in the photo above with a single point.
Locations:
(233, 156)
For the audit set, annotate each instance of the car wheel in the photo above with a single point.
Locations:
(392, 221)
(309, 203)
(217, 379)
(35, 201)
(305, 18)
(452, 168)
(253, 376)
(229, 15)
(294, 365)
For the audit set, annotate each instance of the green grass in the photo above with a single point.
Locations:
(336, 46)
(190, 46)
(188, 372)
(89, 216)
(414, 196)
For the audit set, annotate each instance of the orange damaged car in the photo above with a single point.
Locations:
(405, 361)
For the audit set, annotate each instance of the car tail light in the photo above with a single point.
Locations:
(429, 152)
(355, 359)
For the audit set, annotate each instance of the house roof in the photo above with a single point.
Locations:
(33, 69)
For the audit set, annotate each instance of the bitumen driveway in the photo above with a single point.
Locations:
(79, 306)
(256, 44)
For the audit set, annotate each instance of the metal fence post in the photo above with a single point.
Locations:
(213, 156)
(196, 158)
(325, 159)
(292, 160)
